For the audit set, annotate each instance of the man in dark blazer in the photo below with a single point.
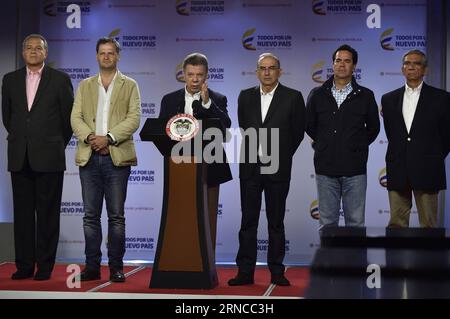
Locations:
(266, 165)
(36, 105)
(416, 119)
(198, 100)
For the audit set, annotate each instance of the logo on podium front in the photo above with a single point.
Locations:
(182, 127)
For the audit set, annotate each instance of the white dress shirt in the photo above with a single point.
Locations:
(103, 106)
(266, 99)
(410, 100)
(189, 98)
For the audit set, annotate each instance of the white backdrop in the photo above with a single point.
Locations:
(156, 35)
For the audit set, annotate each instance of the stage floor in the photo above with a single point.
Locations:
(137, 281)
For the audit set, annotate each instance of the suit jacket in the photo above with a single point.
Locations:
(286, 113)
(123, 120)
(43, 132)
(417, 159)
(173, 103)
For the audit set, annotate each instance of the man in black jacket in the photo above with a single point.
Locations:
(280, 111)
(342, 120)
(36, 105)
(416, 118)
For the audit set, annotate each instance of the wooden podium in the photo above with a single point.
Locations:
(184, 254)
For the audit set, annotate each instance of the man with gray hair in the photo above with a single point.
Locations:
(198, 100)
(36, 105)
(416, 118)
(279, 111)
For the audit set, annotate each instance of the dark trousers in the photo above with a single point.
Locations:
(275, 194)
(37, 206)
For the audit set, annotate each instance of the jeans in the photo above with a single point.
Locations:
(352, 191)
(101, 179)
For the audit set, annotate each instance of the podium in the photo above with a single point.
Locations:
(184, 254)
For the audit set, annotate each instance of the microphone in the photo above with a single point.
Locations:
(196, 108)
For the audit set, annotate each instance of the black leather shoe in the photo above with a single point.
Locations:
(22, 274)
(117, 276)
(241, 279)
(88, 275)
(42, 275)
(280, 280)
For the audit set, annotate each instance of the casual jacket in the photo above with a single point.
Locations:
(341, 136)
(123, 121)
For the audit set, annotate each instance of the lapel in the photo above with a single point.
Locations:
(22, 88)
(256, 105)
(399, 108)
(93, 93)
(275, 101)
(179, 101)
(45, 78)
(118, 83)
(420, 107)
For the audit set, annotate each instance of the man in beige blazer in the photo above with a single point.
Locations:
(105, 115)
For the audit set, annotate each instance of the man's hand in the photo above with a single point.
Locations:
(98, 142)
(204, 93)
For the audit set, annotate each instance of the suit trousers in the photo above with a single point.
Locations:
(275, 194)
(37, 206)
(401, 202)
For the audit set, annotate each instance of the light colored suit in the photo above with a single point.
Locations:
(123, 121)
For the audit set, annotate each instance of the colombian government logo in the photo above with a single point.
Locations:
(50, 8)
(314, 209)
(252, 41)
(382, 177)
(182, 7)
(210, 7)
(53, 8)
(179, 74)
(247, 39)
(386, 40)
(318, 7)
(182, 127)
(390, 41)
(318, 72)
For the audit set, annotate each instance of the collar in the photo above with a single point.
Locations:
(271, 93)
(195, 96)
(99, 79)
(39, 72)
(348, 87)
(413, 90)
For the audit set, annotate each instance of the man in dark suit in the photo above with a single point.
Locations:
(416, 118)
(198, 100)
(36, 105)
(280, 112)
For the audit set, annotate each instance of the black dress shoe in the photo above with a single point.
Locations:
(22, 274)
(89, 274)
(241, 279)
(280, 280)
(42, 275)
(117, 276)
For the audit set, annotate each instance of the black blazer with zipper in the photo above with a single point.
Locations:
(341, 136)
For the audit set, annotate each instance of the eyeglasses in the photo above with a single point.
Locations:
(270, 68)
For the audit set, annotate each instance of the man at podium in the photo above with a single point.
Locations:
(198, 100)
